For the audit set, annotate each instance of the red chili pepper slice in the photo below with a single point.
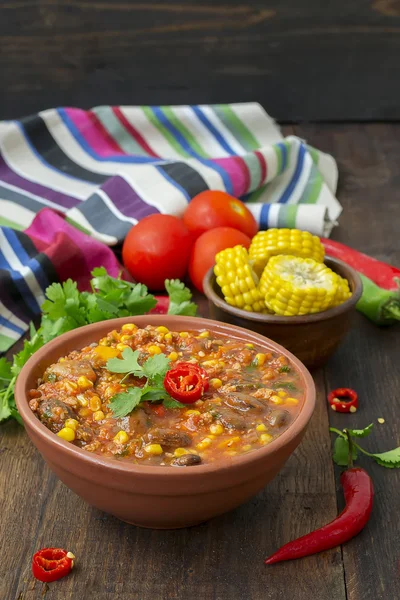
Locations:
(186, 382)
(358, 493)
(50, 564)
(337, 402)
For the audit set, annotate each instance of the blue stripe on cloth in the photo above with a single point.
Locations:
(173, 182)
(218, 136)
(6, 323)
(296, 175)
(224, 174)
(89, 150)
(25, 259)
(264, 216)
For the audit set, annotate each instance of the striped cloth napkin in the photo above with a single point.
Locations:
(76, 181)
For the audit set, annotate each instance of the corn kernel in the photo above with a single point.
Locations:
(229, 442)
(104, 342)
(205, 443)
(82, 400)
(209, 363)
(84, 412)
(122, 347)
(154, 350)
(292, 401)
(67, 434)
(249, 346)
(246, 448)
(276, 400)
(261, 427)
(260, 358)
(121, 437)
(71, 384)
(95, 403)
(84, 382)
(282, 394)
(180, 451)
(192, 412)
(216, 383)
(98, 415)
(106, 352)
(216, 428)
(184, 334)
(61, 360)
(129, 327)
(265, 438)
(162, 329)
(125, 338)
(71, 423)
(204, 334)
(173, 356)
(168, 337)
(153, 449)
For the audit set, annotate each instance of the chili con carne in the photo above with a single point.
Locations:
(51, 564)
(337, 401)
(186, 383)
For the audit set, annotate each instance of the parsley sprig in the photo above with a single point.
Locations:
(389, 459)
(153, 369)
(66, 308)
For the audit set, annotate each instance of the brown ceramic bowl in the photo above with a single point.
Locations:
(312, 338)
(160, 497)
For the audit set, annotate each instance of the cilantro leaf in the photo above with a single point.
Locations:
(179, 298)
(390, 459)
(5, 372)
(341, 452)
(122, 404)
(127, 364)
(155, 368)
(139, 301)
(171, 403)
(361, 433)
(288, 385)
(284, 369)
(30, 347)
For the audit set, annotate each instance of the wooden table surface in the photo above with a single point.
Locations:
(223, 559)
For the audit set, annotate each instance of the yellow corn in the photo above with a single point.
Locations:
(260, 358)
(121, 348)
(95, 403)
(154, 350)
(192, 412)
(343, 292)
(70, 386)
(129, 327)
(204, 334)
(282, 394)
(162, 329)
(71, 423)
(184, 334)
(84, 412)
(237, 280)
(229, 442)
(106, 352)
(276, 400)
(205, 443)
(153, 449)
(104, 342)
(67, 434)
(216, 383)
(284, 241)
(173, 356)
(168, 337)
(265, 438)
(98, 415)
(292, 401)
(121, 437)
(249, 346)
(216, 429)
(82, 400)
(84, 382)
(246, 448)
(261, 427)
(297, 286)
(180, 451)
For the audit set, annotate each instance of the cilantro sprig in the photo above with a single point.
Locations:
(66, 308)
(341, 451)
(153, 369)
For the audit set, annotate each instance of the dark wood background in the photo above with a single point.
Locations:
(223, 559)
(303, 60)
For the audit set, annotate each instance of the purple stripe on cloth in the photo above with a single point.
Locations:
(236, 174)
(126, 199)
(8, 175)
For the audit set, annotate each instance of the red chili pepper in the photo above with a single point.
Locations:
(161, 308)
(50, 564)
(358, 494)
(335, 399)
(186, 382)
(380, 300)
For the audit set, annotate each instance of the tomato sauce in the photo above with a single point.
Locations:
(252, 398)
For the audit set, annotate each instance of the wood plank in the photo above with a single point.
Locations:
(368, 361)
(302, 61)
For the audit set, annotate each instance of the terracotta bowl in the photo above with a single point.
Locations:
(312, 338)
(159, 497)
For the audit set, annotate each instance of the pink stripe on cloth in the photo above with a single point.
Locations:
(94, 133)
(238, 173)
(72, 253)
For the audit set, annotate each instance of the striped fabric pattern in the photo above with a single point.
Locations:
(108, 167)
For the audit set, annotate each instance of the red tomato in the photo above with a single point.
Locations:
(213, 208)
(207, 246)
(157, 248)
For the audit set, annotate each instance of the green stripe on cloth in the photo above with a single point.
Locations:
(287, 216)
(314, 153)
(118, 131)
(164, 131)
(236, 126)
(7, 223)
(312, 190)
(6, 342)
(254, 197)
(253, 165)
(189, 137)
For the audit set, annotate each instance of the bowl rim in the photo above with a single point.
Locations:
(92, 460)
(351, 275)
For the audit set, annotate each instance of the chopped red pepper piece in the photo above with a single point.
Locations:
(50, 564)
(344, 400)
(186, 382)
